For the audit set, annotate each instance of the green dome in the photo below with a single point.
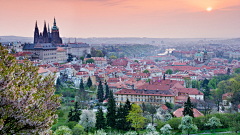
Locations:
(205, 51)
(198, 54)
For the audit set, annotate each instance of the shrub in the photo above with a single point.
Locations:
(100, 132)
(71, 124)
(174, 123)
(166, 130)
(60, 113)
(131, 133)
(63, 130)
(199, 121)
(78, 130)
(160, 124)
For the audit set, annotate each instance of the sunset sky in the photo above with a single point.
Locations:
(123, 18)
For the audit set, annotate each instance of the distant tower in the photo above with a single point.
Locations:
(205, 58)
(36, 33)
(55, 34)
(49, 34)
(45, 33)
(164, 76)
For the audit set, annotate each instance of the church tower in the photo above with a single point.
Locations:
(55, 34)
(45, 33)
(205, 58)
(36, 33)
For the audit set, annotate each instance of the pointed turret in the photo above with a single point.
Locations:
(54, 25)
(36, 33)
(45, 33)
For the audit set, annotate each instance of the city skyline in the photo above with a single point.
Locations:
(121, 18)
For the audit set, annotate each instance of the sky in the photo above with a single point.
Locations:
(123, 18)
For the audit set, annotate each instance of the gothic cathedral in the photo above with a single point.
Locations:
(46, 36)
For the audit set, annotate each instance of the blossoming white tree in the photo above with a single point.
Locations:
(27, 100)
(187, 125)
(213, 122)
(166, 129)
(88, 119)
(63, 130)
(131, 133)
(100, 132)
(151, 130)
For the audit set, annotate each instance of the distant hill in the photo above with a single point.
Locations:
(120, 40)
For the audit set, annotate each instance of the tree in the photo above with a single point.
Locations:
(77, 112)
(166, 129)
(81, 94)
(228, 71)
(235, 100)
(152, 110)
(78, 130)
(136, 61)
(169, 71)
(187, 125)
(207, 92)
(188, 108)
(88, 56)
(135, 117)
(88, 120)
(127, 108)
(89, 82)
(111, 111)
(82, 58)
(100, 124)
(89, 61)
(151, 130)
(169, 105)
(58, 82)
(70, 57)
(63, 130)
(106, 90)
(237, 70)
(205, 82)
(113, 57)
(213, 122)
(212, 83)
(28, 103)
(100, 92)
(146, 71)
(217, 97)
(121, 118)
(188, 82)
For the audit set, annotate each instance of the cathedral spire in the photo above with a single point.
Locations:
(36, 24)
(48, 28)
(54, 21)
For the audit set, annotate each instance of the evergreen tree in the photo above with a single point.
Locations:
(127, 108)
(76, 116)
(205, 82)
(100, 92)
(100, 122)
(228, 71)
(107, 90)
(81, 85)
(121, 118)
(207, 92)
(70, 57)
(70, 114)
(188, 108)
(58, 82)
(89, 82)
(111, 111)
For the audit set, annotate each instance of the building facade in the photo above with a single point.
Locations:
(61, 55)
(47, 52)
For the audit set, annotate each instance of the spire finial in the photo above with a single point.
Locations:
(54, 21)
(36, 24)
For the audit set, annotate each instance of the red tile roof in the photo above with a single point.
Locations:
(166, 93)
(164, 107)
(190, 91)
(22, 54)
(179, 112)
(60, 49)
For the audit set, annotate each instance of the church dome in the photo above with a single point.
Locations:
(198, 54)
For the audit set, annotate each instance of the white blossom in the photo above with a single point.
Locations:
(166, 129)
(151, 130)
(88, 119)
(63, 130)
(187, 125)
(100, 132)
(213, 122)
(131, 133)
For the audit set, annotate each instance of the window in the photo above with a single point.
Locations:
(121, 98)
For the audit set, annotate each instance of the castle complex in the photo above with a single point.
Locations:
(46, 36)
